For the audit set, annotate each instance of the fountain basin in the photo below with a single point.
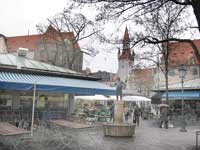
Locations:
(119, 129)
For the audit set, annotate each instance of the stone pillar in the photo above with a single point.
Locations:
(118, 112)
(70, 104)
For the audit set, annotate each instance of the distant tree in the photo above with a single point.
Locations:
(80, 29)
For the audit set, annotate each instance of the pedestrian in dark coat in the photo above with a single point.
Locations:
(137, 113)
(164, 117)
(112, 112)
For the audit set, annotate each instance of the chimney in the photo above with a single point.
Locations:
(22, 52)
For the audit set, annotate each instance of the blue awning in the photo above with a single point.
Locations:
(186, 95)
(25, 82)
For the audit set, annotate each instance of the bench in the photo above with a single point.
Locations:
(69, 124)
(7, 129)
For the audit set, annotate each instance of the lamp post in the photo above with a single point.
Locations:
(182, 73)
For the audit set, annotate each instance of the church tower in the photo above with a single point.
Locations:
(125, 58)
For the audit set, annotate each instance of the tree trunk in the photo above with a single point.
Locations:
(196, 9)
(166, 81)
(167, 71)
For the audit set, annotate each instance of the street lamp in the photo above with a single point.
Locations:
(182, 73)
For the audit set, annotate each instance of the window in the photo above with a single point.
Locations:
(194, 71)
(43, 54)
(171, 72)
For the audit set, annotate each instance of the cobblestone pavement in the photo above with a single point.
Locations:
(148, 136)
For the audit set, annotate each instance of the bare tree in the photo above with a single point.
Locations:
(160, 26)
(118, 7)
(129, 9)
(66, 48)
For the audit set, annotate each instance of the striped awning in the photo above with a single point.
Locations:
(21, 81)
(186, 95)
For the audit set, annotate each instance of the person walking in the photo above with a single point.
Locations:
(137, 112)
(46, 112)
(164, 117)
(112, 113)
(127, 115)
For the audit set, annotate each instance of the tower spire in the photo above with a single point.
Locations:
(126, 35)
(126, 51)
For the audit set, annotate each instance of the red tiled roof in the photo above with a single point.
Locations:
(180, 53)
(31, 41)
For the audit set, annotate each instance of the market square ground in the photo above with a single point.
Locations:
(147, 136)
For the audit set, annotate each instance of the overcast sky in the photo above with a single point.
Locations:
(19, 17)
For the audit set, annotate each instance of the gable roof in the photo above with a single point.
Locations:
(31, 41)
(181, 53)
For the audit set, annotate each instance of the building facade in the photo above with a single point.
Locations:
(53, 47)
(141, 80)
(179, 53)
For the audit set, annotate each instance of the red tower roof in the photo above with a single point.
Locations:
(126, 35)
(126, 52)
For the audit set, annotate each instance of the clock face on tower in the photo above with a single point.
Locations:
(126, 46)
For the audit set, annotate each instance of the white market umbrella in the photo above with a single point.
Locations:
(92, 98)
(132, 98)
(136, 98)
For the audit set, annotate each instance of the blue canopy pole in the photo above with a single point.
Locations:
(33, 109)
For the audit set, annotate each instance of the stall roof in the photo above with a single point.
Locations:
(12, 60)
(175, 95)
(186, 95)
(25, 82)
(19, 64)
